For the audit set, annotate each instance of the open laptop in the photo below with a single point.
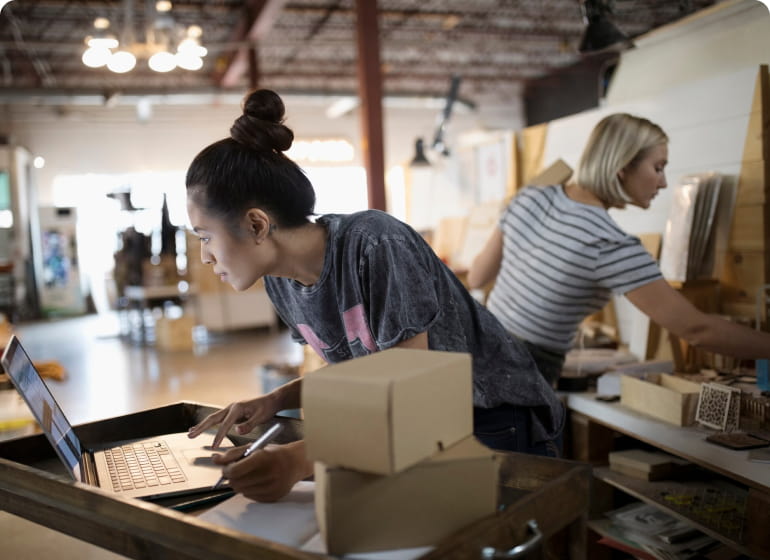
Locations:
(147, 468)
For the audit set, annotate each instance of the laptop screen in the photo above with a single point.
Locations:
(30, 385)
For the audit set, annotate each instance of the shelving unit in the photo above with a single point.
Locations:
(732, 493)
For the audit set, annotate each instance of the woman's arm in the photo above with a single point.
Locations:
(671, 310)
(486, 265)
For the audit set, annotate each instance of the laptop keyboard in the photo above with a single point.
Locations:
(142, 465)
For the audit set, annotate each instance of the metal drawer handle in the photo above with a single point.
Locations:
(518, 551)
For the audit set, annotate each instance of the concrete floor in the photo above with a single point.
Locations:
(110, 375)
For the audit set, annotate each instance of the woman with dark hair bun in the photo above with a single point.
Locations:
(347, 285)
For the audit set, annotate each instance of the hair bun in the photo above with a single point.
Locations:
(261, 127)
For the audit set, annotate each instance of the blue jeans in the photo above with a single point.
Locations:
(508, 428)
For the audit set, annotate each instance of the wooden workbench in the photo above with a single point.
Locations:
(32, 487)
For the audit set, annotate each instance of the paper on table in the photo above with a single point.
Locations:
(290, 521)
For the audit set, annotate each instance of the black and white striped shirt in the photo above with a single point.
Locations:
(561, 261)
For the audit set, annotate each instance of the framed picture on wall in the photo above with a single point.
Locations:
(494, 167)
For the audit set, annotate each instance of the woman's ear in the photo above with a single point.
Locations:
(258, 223)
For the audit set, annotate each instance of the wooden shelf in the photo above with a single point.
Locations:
(688, 442)
(740, 521)
(717, 506)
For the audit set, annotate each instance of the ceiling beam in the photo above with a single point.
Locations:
(262, 18)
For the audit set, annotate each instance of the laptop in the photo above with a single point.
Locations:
(149, 468)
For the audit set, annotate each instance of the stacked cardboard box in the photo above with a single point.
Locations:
(396, 463)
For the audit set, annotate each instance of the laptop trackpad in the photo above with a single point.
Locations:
(202, 456)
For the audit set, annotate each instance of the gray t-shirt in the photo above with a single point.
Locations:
(381, 284)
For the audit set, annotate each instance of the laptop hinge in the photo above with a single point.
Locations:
(89, 469)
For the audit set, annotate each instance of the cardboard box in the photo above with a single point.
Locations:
(387, 411)
(663, 396)
(360, 512)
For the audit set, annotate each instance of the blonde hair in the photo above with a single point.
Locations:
(616, 142)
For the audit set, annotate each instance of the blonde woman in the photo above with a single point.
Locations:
(557, 255)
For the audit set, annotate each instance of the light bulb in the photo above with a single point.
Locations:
(121, 62)
(189, 61)
(191, 46)
(94, 57)
(162, 62)
(106, 41)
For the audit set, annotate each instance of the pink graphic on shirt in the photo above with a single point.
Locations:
(315, 343)
(356, 327)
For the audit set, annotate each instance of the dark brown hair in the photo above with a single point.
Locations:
(249, 169)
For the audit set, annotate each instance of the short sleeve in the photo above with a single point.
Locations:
(626, 265)
(398, 277)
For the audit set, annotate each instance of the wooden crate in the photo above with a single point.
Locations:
(663, 396)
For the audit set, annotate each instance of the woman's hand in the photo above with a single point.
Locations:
(268, 474)
(244, 415)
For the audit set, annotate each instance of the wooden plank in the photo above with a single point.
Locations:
(747, 260)
(743, 274)
(133, 528)
(752, 182)
(532, 150)
(755, 532)
(747, 231)
(261, 22)
(756, 144)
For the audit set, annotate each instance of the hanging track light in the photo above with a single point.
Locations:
(600, 33)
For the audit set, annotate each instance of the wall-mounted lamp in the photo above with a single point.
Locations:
(419, 158)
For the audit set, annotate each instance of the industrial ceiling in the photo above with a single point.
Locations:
(310, 46)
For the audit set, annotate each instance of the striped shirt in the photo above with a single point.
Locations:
(561, 262)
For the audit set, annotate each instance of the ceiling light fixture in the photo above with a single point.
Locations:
(601, 34)
(166, 47)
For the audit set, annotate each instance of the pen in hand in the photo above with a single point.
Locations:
(259, 443)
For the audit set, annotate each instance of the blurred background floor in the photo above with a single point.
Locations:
(108, 375)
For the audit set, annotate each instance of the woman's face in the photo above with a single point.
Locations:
(646, 177)
(236, 259)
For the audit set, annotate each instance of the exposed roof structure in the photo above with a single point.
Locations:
(309, 46)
